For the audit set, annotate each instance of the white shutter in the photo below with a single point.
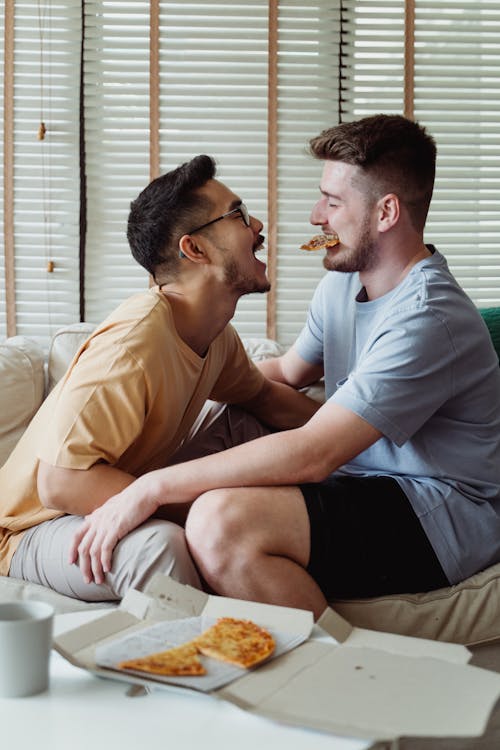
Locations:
(46, 172)
(116, 85)
(213, 100)
(3, 310)
(372, 60)
(457, 96)
(308, 53)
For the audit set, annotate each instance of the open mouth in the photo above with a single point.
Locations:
(259, 245)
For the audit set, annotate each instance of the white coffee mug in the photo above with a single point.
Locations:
(25, 643)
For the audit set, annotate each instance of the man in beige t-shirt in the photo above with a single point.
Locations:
(130, 398)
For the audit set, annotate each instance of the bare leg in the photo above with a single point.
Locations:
(254, 543)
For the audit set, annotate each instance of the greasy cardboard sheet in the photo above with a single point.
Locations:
(343, 680)
(169, 633)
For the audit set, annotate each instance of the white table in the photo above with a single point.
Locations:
(82, 712)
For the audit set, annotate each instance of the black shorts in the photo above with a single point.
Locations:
(366, 540)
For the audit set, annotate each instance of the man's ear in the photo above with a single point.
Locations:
(389, 210)
(192, 250)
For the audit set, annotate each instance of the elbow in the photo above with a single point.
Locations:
(315, 470)
(48, 487)
(315, 473)
(315, 461)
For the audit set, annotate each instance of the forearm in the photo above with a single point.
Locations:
(278, 459)
(291, 369)
(79, 491)
(298, 456)
(282, 407)
(271, 368)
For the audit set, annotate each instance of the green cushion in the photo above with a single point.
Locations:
(491, 316)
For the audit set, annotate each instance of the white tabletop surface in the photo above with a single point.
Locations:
(81, 711)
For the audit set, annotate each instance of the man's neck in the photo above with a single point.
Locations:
(199, 316)
(390, 271)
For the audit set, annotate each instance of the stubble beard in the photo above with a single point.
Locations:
(362, 257)
(243, 284)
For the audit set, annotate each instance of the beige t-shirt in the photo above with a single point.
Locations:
(128, 399)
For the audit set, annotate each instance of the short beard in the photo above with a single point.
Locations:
(362, 257)
(243, 284)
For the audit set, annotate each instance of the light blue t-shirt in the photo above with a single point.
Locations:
(419, 365)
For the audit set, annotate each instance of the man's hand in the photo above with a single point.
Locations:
(92, 546)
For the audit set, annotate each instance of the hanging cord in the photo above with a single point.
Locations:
(45, 158)
(41, 33)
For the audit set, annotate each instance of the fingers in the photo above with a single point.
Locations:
(92, 549)
(77, 538)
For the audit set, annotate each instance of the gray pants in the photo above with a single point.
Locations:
(156, 546)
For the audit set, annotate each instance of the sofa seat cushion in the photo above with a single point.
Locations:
(15, 590)
(22, 376)
(467, 613)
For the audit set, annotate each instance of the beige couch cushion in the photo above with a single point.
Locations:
(63, 346)
(14, 590)
(22, 377)
(467, 613)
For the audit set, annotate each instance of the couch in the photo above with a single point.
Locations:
(467, 613)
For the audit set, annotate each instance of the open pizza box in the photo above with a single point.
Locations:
(329, 676)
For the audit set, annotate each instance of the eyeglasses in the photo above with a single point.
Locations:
(241, 209)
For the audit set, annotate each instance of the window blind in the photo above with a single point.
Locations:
(3, 291)
(372, 57)
(334, 59)
(116, 112)
(213, 89)
(308, 91)
(213, 99)
(457, 97)
(46, 197)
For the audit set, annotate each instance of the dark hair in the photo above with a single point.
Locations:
(395, 155)
(165, 210)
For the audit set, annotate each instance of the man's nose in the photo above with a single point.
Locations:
(317, 214)
(256, 224)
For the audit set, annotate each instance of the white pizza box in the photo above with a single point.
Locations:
(341, 679)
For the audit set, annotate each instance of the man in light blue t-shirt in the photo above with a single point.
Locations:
(394, 485)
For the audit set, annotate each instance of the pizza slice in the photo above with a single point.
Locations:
(238, 642)
(321, 242)
(180, 661)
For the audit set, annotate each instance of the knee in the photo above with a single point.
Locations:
(213, 527)
(162, 548)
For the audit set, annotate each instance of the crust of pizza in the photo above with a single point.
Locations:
(238, 642)
(180, 661)
(321, 242)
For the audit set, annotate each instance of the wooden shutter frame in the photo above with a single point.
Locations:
(409, 60)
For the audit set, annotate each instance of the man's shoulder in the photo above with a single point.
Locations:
(138, 325)
(135, 308)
